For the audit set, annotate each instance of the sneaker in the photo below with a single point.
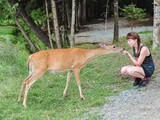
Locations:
(144, 82)
(137, 81)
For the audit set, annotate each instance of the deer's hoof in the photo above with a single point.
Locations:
(24, 105)
(83, 98)
(19, 99)
(64, 96)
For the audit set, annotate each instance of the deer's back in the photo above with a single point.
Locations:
(59, 59)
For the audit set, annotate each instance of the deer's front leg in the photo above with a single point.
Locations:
(76, 73)
(67, 83)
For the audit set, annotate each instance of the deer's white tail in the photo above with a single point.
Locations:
(30, 65)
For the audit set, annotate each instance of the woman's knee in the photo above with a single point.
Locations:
(131, 71)
(124, 70)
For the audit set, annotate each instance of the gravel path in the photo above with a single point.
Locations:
(106, 36)
(134, 104)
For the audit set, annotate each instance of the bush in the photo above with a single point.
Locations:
(131, 12)
(13, 61)
(7, 30)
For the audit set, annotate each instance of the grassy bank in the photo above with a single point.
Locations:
(100, 78)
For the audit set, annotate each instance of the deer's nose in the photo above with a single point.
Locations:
(122, 49)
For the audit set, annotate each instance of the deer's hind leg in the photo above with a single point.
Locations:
(22, 87)
(29, 82)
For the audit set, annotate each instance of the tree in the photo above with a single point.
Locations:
(31, 24)
(64, 21)
(83, 12)
(48, 25)
(116, 26)
(68, 14)
(156, 31)
(106, 15)
(56, 24)
(132, 13)
(73, 23)
(33, 47)
(24, 33)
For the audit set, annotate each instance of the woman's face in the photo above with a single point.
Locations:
(132, 42)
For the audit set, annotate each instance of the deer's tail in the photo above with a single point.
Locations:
(29, 65)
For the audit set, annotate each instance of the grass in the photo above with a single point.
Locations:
(146, 32)
(45, 96)
(100, 78)
(7, 30)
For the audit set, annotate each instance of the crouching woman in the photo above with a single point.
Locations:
(143, 65)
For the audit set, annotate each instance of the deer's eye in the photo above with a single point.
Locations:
(114, 46)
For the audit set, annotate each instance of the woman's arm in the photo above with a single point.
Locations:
(144, 52)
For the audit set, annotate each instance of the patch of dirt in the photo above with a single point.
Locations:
(99, 24)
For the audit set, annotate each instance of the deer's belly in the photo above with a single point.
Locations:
(55, 71)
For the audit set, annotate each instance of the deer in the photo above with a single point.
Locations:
(71, 60)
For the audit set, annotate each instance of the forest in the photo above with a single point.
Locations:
(54, 23)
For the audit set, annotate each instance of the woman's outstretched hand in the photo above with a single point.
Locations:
(125, 52)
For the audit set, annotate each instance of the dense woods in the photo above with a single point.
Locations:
(54, 22)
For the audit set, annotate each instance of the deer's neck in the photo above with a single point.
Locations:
(95, 53)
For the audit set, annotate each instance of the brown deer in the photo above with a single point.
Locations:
(59, 60)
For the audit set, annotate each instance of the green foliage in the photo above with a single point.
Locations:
(39, 17)
(146, 32)
(8, 33)
(7, 30)
(7, 13)
(37, 42)
(131, 12)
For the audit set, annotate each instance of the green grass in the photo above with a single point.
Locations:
(146, 32)
(7, 30)
(99, 78)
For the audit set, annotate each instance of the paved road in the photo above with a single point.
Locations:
(106, 36)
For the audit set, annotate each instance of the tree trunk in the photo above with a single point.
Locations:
(56, 24)
(48, 25)
(65, 36)
(79, 13)
(31, 24)
(106, 15)
(83, 12)
(34, 48)
(68, 14)
(156, 31)
(116, 25)
(73, 23)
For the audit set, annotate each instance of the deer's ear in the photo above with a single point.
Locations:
(103, 46)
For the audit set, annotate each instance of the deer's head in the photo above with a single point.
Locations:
(111, 48)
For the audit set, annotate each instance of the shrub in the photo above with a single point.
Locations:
(131, 12)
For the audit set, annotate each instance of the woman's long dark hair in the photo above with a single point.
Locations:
(134, 36)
